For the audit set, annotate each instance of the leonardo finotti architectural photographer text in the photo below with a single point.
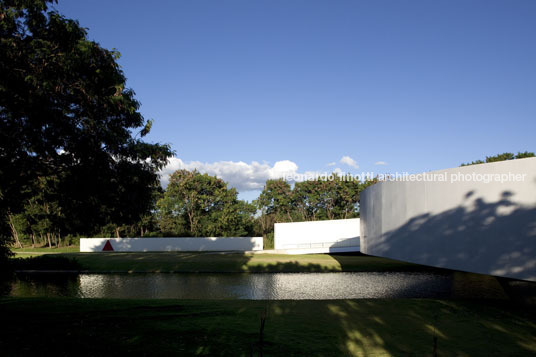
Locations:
(405, 176)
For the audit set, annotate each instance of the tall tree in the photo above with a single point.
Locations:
(66, 113)
(348, 194)
(276, 199)
(200, 205)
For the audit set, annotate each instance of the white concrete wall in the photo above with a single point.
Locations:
(172, 244)
(473, 226)
(318, 236)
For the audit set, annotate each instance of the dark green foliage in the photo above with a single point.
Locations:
(70, 158)
(522, 155)
(276, 200)
(476, 162)
(5, 254)
(502, 157)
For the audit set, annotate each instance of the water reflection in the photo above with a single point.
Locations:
(276, 286)
(45, 285)
(272, 286)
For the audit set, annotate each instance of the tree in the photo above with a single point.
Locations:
(502, 157)
(276, 199)
(348, 194)
(66, 117)
(303, 196)
(523, 155)
(200, 205)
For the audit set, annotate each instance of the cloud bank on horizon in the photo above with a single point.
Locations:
(244, 176)
(238, 174)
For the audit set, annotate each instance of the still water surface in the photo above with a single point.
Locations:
(276, 286)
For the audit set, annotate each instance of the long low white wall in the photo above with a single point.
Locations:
(460, 223)
(172, 244)
(318, 236)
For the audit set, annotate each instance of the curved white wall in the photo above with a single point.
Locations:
(487, 228)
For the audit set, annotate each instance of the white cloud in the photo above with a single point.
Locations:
(380, 163)
(238, 174)
(332, 163)
(338, 171)
(347, 160)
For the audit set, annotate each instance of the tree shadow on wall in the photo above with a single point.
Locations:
(497, 238)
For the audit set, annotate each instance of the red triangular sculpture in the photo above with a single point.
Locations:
(108, 247)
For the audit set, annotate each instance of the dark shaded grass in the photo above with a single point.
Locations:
(231, 327)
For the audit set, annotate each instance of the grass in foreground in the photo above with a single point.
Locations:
(232, 327)
(160, 262)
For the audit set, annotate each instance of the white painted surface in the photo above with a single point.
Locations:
(318, 236)
(469, 225)
(173, 244)
(315, 250)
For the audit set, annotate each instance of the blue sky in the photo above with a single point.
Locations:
(238, 86)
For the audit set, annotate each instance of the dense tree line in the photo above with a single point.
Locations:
(199, 205)
(196, 204)
(501, 157)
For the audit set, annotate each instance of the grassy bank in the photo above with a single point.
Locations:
(28, 252)
(219, 262)
(224, 327)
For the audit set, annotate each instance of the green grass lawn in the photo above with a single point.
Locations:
(409, 327)
(37, 251)
(227, 262)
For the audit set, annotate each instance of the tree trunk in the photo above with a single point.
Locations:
(14, 231)
(117, 232)
(289, 216)
(49, 242)
(33, 240)
(191, 219)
